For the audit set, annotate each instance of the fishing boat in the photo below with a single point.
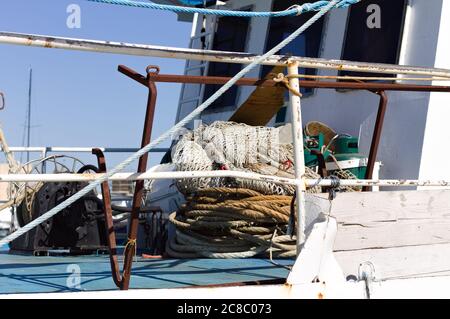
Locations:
(310, 171)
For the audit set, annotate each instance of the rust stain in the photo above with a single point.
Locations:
(320, 295)
(288, 288)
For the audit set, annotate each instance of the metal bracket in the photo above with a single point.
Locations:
(366, 272)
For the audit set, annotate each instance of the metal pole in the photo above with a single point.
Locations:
(376, 136)
(45, 41)
(109, 224)
(299, 157)
(345, 85)
(29, 113)
(65, 177)
(44, 150)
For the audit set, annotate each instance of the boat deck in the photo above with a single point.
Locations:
(29, 274)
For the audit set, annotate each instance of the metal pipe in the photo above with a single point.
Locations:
(208, 55)
(30, 87)
(376, 136)
(109, 224)
(65, 177)
(87, 177)
(130, 248)
(45, 149)
(196, 79)
(299, 156)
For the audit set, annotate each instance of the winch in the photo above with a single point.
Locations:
(78, 229)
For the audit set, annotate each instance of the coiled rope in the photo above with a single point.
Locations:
(232, 223)
(292, 11)
(168, 134)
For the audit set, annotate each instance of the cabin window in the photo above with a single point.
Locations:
(230, 35)
(374, 32)
(306, 45)
(281, 115)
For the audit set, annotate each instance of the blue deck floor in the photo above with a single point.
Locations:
(28, 274)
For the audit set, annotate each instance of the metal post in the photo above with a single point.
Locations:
(130, 248)
(44, 163)
(109, 224)
(29, 112)
(376, 136)
(299, 157)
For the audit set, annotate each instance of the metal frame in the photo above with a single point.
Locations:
(130, 248)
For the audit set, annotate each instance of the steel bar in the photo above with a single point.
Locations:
(376, 136)
(39, 149)
(65, 177)
(196, 79)
(86, 177)
(299, 156)
(45, 41)
(130, 248)
(109, 224)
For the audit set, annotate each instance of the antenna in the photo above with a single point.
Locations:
(29, 113)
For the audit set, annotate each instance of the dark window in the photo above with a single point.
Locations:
(374, 32)
(281, 115)
(306, 45)
(230, 35)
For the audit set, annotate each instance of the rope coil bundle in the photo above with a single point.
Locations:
(232, 223)
(230, 217)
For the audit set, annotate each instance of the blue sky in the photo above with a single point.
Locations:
(79, 98)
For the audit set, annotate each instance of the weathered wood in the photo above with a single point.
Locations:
(262, 104)
(392, 234)
(399, 262)
(391, 219)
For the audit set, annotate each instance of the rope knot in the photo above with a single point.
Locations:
(282, 79)
(131, 244)
(335, 184)
(300, 8)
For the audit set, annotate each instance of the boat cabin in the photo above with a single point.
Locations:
(405, 32)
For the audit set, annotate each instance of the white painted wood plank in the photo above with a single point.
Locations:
(404, 262)
(391, 219)
(381, 206)
(393, 234)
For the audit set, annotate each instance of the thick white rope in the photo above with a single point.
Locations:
(170, 132)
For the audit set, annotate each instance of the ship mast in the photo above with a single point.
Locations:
(30, 86)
